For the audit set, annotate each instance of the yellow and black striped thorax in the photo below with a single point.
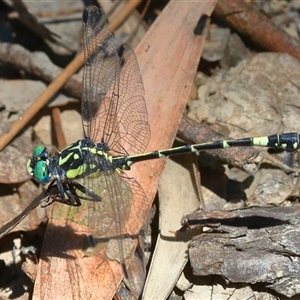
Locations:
(81, 159)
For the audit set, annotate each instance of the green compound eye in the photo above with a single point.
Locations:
(40, 152)
(37, 165)
(41, 172)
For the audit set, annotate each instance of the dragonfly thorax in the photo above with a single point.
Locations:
(78, 160)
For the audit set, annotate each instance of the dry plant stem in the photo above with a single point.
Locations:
(197, 176)
(246, 20)
(134, 31)
(61, 139)
(37, 64)
(276, 162)
(30, 21)
(42, 100)
(124, 14)
(194, 133)
(113, 8)
(52, 89)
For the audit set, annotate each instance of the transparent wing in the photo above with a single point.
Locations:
(114, 221)
(114, 114)
(109, 219)
(113, 106)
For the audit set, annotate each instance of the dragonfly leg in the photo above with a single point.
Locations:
(91, 195)
(73, 198)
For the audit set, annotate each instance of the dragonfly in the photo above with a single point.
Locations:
(116, 134)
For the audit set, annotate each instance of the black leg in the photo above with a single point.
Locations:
(92, 196)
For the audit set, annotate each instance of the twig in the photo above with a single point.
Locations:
(52, 89)
(37, 64)
(61, 139)
(243, 18)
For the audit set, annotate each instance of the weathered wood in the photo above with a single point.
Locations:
(257, 245)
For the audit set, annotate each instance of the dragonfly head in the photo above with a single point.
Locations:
(38, 165)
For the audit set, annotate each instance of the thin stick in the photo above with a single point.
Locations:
(61, 139)
(60, 80)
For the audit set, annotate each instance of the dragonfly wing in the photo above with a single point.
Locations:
(113, 104)
(114, 114)
(116, 215)
(99, 67)
(107, 218)
(131, 112)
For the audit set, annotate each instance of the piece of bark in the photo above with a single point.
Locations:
(258, 245)
(253, 24)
